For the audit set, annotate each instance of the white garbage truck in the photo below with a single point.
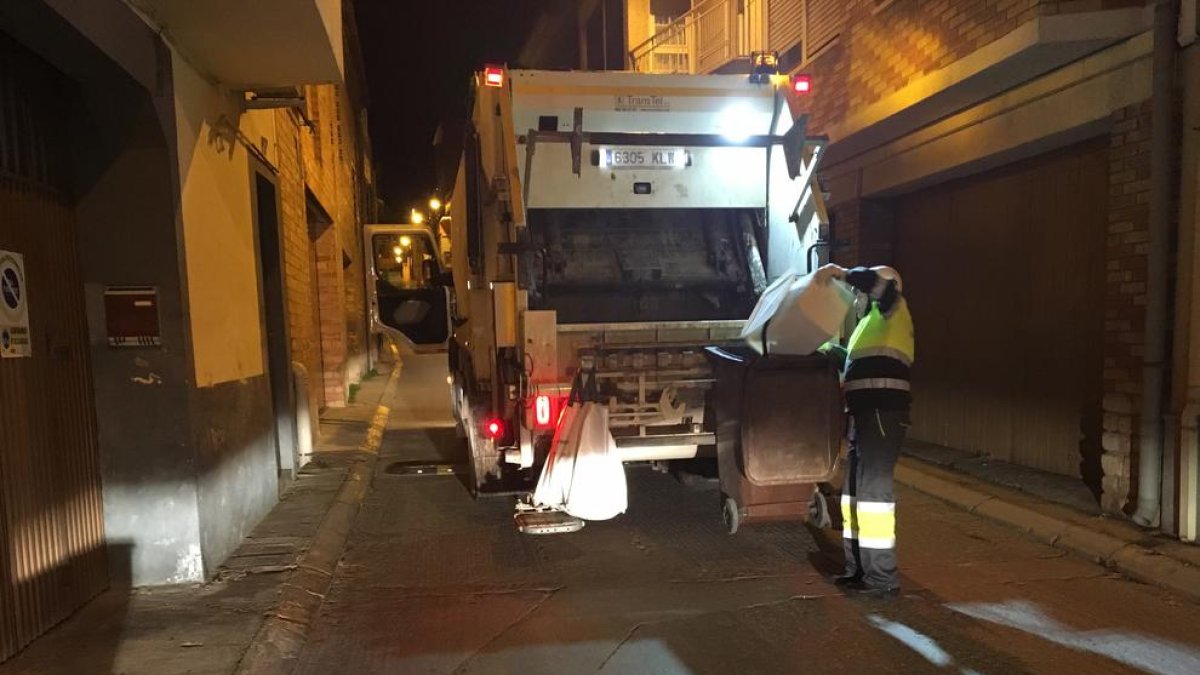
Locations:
(615, 225)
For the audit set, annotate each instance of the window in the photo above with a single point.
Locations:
(671, 54)
(406, 261)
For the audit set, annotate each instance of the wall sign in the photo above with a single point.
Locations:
(14, 307)
(131, 316)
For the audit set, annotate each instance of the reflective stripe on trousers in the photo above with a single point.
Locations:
(868, 504)
(872, 524)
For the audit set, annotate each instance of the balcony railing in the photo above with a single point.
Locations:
(704, 40)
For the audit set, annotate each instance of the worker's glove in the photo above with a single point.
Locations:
(829, 272)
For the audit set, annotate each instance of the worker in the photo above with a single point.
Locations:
(878, 398)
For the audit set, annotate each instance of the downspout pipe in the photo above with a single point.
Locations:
(1150, 446)
(1189, 452)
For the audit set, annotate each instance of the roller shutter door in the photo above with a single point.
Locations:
(785, 23)
(1005, 275)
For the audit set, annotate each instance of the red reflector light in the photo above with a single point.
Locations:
(494, 429)
(493, 76)
(801, 84)
(542, 411)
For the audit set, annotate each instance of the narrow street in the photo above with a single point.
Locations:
(433, 582)
(245, 247)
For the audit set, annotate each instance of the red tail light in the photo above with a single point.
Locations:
(494, 429)
(543, 409)
(493, 76)
(801, 84)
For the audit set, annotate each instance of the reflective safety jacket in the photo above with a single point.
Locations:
(877, 335)
(881, 350)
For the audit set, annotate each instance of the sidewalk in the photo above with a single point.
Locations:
(207, 628)
(1055, 509)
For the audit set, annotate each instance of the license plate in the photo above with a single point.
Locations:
(643, 158)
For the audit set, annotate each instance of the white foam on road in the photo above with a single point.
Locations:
(915, 640)
(1149, 654)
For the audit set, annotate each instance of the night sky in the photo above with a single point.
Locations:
(419, 59)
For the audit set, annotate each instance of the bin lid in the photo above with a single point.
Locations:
(747, 357)
(731, 354)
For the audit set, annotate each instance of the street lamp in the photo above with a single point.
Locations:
(435, 204)
(416, 217)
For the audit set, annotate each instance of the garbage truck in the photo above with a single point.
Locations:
(617, 225)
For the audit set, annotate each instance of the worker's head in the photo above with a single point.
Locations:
(883, 274)
(886, 274)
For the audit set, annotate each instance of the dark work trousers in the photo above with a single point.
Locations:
(868, 500)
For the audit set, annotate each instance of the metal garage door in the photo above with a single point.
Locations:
(1004, 272)
(52, 556)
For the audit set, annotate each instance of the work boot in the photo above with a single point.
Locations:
(861, 589)
(847, 580)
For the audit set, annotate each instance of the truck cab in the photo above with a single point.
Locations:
(408, 287)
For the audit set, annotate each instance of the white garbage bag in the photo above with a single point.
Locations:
(795, 316)
(555, 480)
(583, 474)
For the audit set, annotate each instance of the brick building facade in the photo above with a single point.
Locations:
(946, 116)
(882, 50)
(322, 195)
(188, 190)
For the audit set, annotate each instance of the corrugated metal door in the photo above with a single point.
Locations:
(1004, 273)
(52, 555)
(785, 23)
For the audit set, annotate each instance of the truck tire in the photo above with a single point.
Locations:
(457, 405)
(483, 458)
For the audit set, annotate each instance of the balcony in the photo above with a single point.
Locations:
(714, 36)
(256, 44)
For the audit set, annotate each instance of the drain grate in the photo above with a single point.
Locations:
(420, 469)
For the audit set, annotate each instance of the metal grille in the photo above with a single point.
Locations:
(52, 552)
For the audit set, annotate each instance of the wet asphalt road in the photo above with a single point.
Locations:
(435, 582)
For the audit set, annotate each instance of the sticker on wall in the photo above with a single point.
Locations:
(14, 307)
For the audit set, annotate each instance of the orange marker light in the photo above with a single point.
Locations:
(494, 429)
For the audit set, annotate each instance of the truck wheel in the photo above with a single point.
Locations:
(483, 458)
(732, 514)
(456, 400)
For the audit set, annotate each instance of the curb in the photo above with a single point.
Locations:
(1123, 554)
(276, 646)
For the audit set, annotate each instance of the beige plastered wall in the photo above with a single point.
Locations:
(218, 225)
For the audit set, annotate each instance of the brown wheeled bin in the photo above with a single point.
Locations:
(779, 425)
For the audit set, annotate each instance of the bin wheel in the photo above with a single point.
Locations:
(818, 511)
(731, 513)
